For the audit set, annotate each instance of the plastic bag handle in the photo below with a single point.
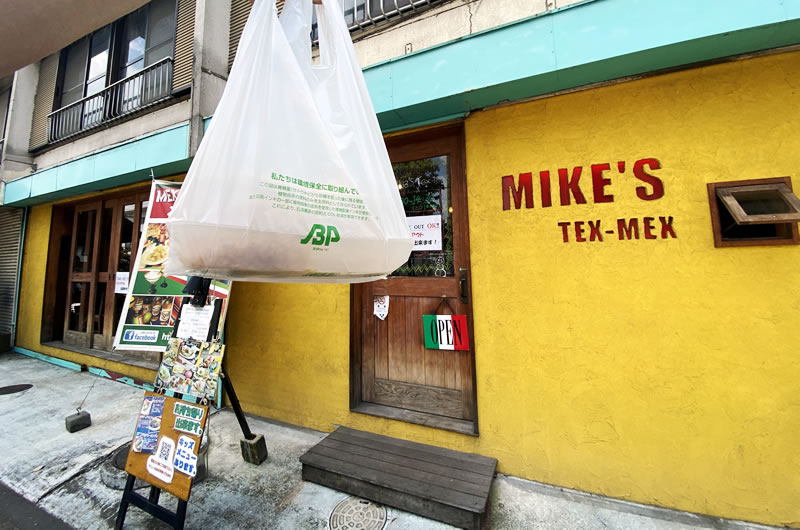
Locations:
(334, 37)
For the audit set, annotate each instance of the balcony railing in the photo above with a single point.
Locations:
(138, 91)
(361, 14)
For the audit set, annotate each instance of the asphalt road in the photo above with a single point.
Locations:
(18, 513)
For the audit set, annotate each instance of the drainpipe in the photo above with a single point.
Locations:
(19, 277)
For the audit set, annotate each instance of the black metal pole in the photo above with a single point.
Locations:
(123, 504)
(237, 408)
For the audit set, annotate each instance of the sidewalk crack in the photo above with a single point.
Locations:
(92, 464)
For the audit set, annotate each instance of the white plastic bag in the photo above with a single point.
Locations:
(292, 182)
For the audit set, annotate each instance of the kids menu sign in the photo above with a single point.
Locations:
(153, 300)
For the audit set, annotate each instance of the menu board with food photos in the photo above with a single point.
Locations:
(191, 367)
(153, 300)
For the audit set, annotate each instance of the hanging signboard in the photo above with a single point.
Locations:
(153, 300)
(446, 332)
(165, 444)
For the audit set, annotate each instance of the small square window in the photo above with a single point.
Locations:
(754, 212)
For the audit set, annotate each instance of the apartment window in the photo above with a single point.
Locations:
(115, 70)
(359, 14)
(134, 34)
(754, 212)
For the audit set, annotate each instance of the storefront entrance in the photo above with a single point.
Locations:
(91, 244)
(397, 376)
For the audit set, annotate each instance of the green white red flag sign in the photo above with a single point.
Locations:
(446, 332)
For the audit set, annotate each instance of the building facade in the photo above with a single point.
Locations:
(616, 223)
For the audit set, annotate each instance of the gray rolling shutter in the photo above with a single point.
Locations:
(184, 44)
(10, 240)
(43, 102)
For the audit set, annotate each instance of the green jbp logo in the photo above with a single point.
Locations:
(321, 235)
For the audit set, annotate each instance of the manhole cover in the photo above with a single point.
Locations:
(358, 514)
(121, 457)
(13, 389)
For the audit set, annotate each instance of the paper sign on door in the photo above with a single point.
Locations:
(381, 306)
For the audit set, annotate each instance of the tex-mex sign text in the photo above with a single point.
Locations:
(593, 183)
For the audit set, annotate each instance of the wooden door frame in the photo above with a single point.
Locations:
(117, 204)
(61, 227)
(357, 404)
(84, 277)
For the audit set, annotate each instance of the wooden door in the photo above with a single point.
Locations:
(81, 287)
(396, 369)
(104, 240)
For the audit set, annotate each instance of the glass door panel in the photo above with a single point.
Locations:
(425, 192)
(83, 241)
(78, 306)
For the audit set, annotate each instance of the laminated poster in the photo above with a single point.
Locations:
(148, 425)
(153, 300)
(191, 367)
(381, 306)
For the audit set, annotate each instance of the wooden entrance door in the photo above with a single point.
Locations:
(396, 370)
(105, 235)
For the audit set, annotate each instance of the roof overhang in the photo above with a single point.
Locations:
(30, 31)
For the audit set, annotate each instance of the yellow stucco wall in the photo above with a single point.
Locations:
(661, 371)
(664, 371)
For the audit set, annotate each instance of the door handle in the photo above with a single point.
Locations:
(463, 287)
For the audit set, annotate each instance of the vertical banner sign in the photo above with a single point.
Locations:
(153, 300)
(445, 332)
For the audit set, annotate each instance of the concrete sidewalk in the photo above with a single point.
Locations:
(72, 476)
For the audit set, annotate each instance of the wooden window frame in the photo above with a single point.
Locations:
(728, 198)
(720, 192)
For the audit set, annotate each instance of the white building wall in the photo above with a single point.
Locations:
(447, 22)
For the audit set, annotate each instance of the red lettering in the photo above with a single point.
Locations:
(666, 227)
(564, 227)
(648, 228)
(544, 181)
(598, 183)
(579, 232)
(525, 185)
(631, 228)
(571, 185)
(594, 231)
(655, 182)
